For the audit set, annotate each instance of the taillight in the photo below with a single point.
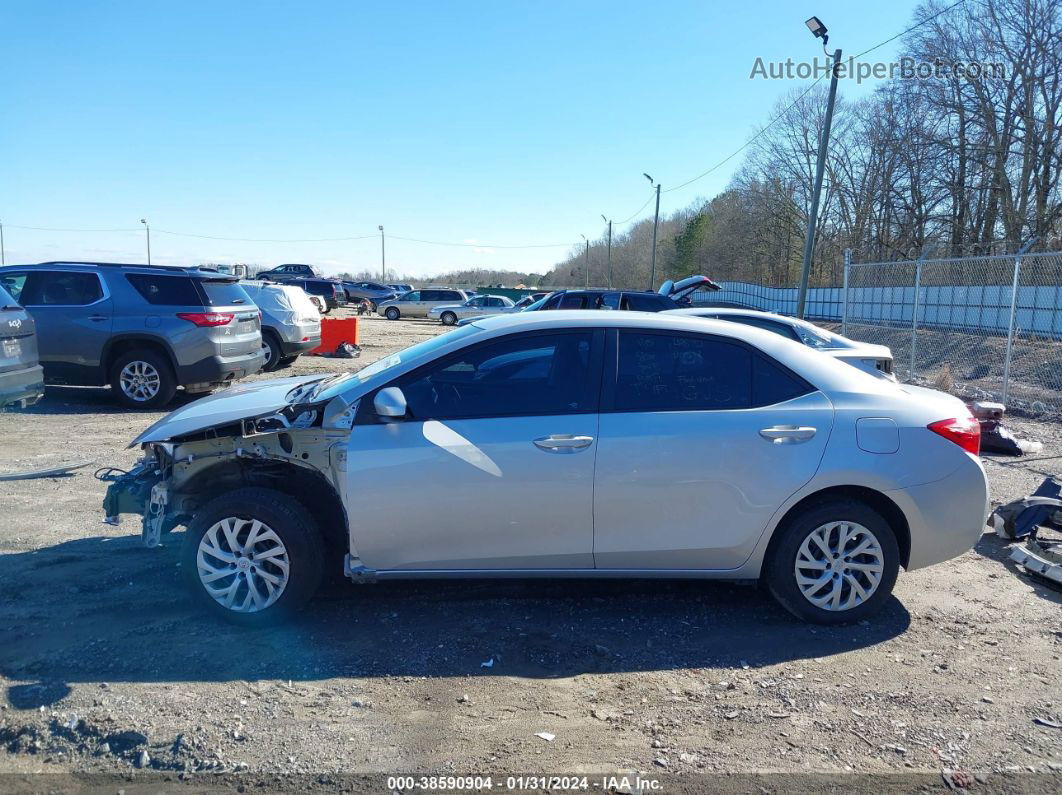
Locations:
(207, 319)
(964, 431)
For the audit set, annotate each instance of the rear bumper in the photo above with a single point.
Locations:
(22, 387)
(295, 348)
(221, 369)
(946, 517)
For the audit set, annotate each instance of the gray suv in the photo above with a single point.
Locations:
(143, 329)
(21, 378)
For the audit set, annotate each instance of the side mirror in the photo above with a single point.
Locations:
(390, 403)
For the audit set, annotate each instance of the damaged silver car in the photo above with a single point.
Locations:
(651, 446)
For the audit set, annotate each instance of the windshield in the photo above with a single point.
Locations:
(534, 306)
(329, 388)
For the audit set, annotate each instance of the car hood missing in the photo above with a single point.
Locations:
(244, 401)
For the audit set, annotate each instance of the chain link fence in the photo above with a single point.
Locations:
(985, 328)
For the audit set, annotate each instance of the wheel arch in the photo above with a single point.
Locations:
(306, 486)
(881, 503)
(124, 343)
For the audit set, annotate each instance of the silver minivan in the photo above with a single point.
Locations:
(419, 302)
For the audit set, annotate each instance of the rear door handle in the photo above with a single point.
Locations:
(788, 434)
(563, 443)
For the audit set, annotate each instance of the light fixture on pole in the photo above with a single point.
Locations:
(587, 267)
(603, 218)
(819, 31)
(147, 230)
(383, 256)
(656, 223)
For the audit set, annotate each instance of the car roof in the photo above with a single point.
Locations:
(721, 311)
(191, 270)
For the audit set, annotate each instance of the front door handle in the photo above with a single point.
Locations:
(788, 434)
(97, 318)
(563, 443)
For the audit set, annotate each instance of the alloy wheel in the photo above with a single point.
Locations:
(140, 381)
(839, 566)
(243, 565)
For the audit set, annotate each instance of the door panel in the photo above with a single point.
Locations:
(471, 494)
(695, 489)
(73, 315)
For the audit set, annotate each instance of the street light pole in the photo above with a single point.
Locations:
(383, 257)
(587, 266)
(147, 230)
(819, 30)
(603, 218)
(3, 261)
(656, 223)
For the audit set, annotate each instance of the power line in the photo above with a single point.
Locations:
(913, 27)
(266, 239)
(652, 195)
(476, 245)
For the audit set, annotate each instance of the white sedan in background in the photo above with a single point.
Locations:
(873, 359)
(478, 306)
(649, 444)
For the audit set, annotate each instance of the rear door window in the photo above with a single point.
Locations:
(61, 288)
(166, 290)
(572, 301)
(219, 292)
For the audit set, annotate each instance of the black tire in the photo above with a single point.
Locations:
(392, 313)
(298, 533)
(150, 363)
(448, 318)
(286, 362)
(779, 568)
(274, 356)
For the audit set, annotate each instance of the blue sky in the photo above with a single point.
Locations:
(468, 122)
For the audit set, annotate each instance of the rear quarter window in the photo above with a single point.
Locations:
(224, 293)
(165, 290)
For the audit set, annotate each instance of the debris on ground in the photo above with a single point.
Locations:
(54, 472)
(995, 437)
(1017, 519)
(547, 736)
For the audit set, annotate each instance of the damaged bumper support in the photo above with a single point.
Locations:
(138, 491)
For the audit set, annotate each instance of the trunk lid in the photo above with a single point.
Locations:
(683, 287)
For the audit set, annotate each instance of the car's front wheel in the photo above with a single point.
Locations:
(253, 556)
(392, 313)
(448, 318)
(834, 562)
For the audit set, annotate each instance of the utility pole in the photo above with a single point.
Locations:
(819, 31)
(147, 229)
(656, 223)
(3, 261)
(383, 257)
(587, 266)
(603, 218)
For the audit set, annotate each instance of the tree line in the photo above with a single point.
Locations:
(958, 164)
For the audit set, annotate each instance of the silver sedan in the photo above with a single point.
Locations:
(480, 306)
(651, 445)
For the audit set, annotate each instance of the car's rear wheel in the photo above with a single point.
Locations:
(448, 318)
(142, 379)
(253, 556)
(392, 313)
(274, 356)
(835, 562)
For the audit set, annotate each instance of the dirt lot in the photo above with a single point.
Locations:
(105, 669)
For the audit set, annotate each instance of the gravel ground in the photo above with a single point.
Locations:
(106, 669)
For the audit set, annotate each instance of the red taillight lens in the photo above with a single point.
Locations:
(207, 319)
(964, 431)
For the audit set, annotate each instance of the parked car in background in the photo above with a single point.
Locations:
(21, 375)
(527, 300)
(401, 288)
(668, 446)
(478, 306)
(144, 330)
(418, 303)
(292, 271)
(667, 297)
(372, 292)
(874, 359)
(330, 291)
(291, 324)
